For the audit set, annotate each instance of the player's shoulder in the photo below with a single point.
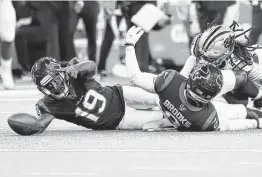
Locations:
(164, 79)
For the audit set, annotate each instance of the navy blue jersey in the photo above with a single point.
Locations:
(170, 87)
(92, 105)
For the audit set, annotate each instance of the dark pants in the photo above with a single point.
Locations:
(89, 15)
(32, 43)
(107, 43)
(257, 23)
(66, 22)
(206, 16)
(142, 49)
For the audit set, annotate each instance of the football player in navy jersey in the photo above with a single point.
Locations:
(73, 95)
(187, 103)
(220, 45)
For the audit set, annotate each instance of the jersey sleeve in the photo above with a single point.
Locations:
(163, 79)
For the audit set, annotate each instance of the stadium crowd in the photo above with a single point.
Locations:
(48, 28)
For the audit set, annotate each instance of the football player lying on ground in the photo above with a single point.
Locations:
(186, 103)
(220, 45)
(71, 94)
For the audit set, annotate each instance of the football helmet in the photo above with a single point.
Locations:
(52, 83)
(215, 45)
(204, 83)
(242, 57)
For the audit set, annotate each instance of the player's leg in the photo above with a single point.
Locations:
(234, 117)
(7, 35)
(239, 124)
(136, 119)
(138, 98)
(255, 74)
(231, 14)
(227, 111)
(256, 21)
(240, 81)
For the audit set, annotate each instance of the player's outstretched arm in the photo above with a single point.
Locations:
(189, 65)
(44, 115)
(80, 68)
(45, 120)
(138, 78)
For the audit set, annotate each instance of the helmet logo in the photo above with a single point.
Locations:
(219, 81)
(229, 42)
(182, 108)
(201, 72)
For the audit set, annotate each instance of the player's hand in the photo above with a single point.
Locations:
(70, 70)
(133, 35)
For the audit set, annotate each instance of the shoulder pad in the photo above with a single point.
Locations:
(163, 79)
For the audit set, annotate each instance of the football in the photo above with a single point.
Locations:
(24, 124)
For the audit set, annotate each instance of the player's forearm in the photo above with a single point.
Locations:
(131, 62)
(138, 78)
(86, 68)
(45, 120)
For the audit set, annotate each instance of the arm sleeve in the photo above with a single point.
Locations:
(138, 78)
(189, 65)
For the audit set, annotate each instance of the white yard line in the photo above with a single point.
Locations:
(134, 150)
(19, 92)
(20, 99)
(56, 174)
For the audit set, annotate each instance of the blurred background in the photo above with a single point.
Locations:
(95, 30)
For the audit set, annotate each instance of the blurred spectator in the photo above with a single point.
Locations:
(208, 11)
(129, 9)
(66, 20)
(256, 21)
(7, 34)
(196, 15)
(88, 11)
(36, 32)
(112, 31)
